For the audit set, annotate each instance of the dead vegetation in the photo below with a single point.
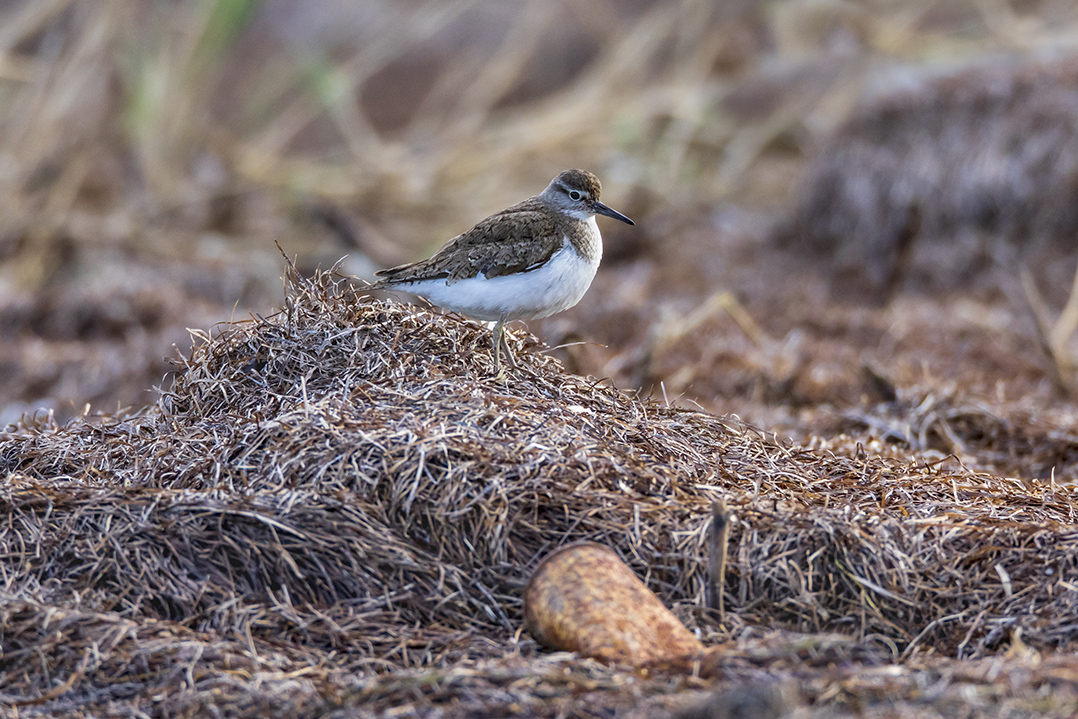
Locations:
(332, 509)
(341, 485)
(946, 182)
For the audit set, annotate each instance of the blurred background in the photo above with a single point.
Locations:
(852, 217)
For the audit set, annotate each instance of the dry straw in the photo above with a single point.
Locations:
(343, 487)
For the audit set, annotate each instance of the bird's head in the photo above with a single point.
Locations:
(576, 192)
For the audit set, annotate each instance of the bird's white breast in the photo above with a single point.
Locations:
(556, 286)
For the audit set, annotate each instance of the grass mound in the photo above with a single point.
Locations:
(950, 180)
(343, 487)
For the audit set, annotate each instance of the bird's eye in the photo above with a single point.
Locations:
(575, 195)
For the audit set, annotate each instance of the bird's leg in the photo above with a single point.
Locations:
(499, 332)
(508, 351)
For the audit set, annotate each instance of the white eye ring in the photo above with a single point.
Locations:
(575, 195)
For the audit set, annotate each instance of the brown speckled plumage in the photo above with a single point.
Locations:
(528, 261)
(517, 239)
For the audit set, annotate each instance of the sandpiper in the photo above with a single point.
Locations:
(530, 260)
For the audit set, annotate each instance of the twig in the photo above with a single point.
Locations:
(1060, 368)
(720, 534)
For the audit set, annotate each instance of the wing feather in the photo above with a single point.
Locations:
(520, 238)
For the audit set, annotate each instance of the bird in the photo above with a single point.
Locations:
(531, 260)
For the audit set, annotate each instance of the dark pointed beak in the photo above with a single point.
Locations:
(601, 209)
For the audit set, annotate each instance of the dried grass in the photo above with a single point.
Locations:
(949, 180)
(1010, 438)
(333, 509)
(343, 484)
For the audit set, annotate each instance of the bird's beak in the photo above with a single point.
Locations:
(601, 209)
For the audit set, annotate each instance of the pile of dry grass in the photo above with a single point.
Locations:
(1015, 438)
(343, 484)
(944, 181)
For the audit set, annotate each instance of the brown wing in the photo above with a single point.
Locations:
(518, 239)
